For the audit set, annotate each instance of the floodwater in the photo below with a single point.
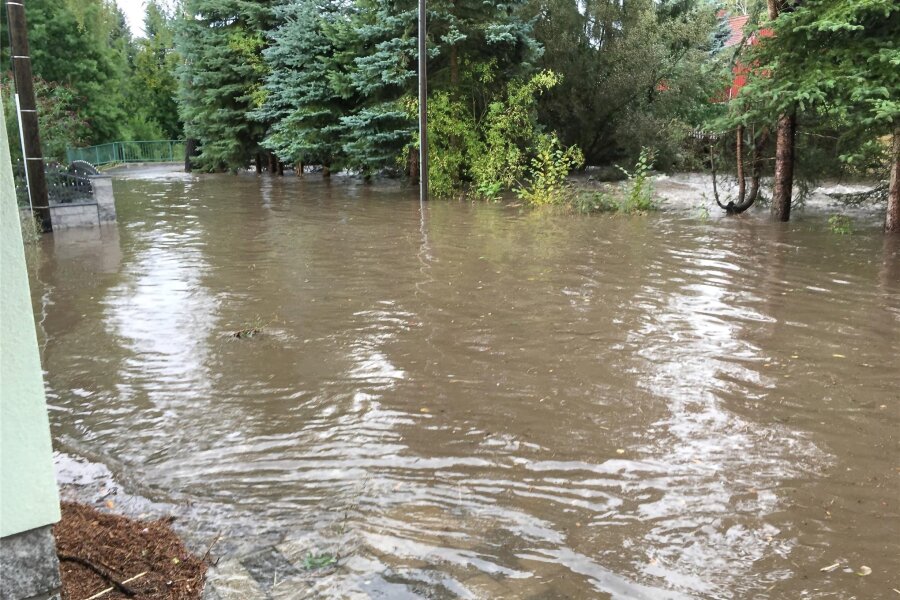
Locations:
(482, 401)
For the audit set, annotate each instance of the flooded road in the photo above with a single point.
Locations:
(480, 401)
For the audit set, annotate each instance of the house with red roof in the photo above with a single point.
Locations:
(738, 34)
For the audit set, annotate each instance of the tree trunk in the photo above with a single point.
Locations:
(739, 159)
(326, 171)
(892, 219)
(784, 166)
(258, 163)
(190, 150)
(454, 65)
(413, 162)
(298, 168)
(784, 147)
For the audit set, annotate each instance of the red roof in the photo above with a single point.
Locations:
(736, 25)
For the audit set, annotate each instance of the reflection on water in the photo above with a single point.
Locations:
(472, 401)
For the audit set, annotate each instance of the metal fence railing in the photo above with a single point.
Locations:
(65, 185)
(129, 152)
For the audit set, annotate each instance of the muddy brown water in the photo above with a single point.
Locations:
(480, 401)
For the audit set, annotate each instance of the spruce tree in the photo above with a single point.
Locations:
(464, 35)
(221, 78)
(301, 98)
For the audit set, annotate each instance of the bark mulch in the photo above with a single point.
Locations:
(99, 550)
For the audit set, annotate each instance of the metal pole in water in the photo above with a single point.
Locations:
(423, 107)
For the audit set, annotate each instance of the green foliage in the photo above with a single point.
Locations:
(511, 131)
(837, 63)
(221, 78)
(453, 142)
(633, 74)
(59, 121)
(153, 85)
(303, 102)
(546, 177)
(639, 189)
(840, 224)
(378, 45)
(636, 197)
(312, 562)
(588, 202)
(504, 149)
(83, 46)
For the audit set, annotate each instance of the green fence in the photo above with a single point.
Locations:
(129, 152)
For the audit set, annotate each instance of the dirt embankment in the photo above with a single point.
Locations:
(109, 557)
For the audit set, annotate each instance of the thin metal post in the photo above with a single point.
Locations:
(24, 154)
(423, 106)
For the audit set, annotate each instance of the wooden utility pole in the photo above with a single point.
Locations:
(28, 117)
(423, 106)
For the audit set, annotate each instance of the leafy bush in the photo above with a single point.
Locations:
(588, 202)
(548, 171)
(511, 132)
(639, 194)
(503, 149)
(840, 224)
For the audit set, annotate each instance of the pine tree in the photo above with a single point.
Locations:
(463, 35)
(301, 100)
(837, 59)
(221, 78)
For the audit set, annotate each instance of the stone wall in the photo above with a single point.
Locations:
(74, 215)
(103, 196)
(86, 214)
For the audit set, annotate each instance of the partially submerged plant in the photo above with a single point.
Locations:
(31, 228)
(639, 194)
(546, 180)
(250, 330)
(588, 202)
(313, 562)
(840, 224)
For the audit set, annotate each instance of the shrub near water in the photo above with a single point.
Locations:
(549, 169)
(638, 194)
(503, 149)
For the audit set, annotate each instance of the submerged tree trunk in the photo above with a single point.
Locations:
(326, 171)
(190, 150)
(784, 166)
(784, 146)
(744, 200)
(892, 219)
(412, 162)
